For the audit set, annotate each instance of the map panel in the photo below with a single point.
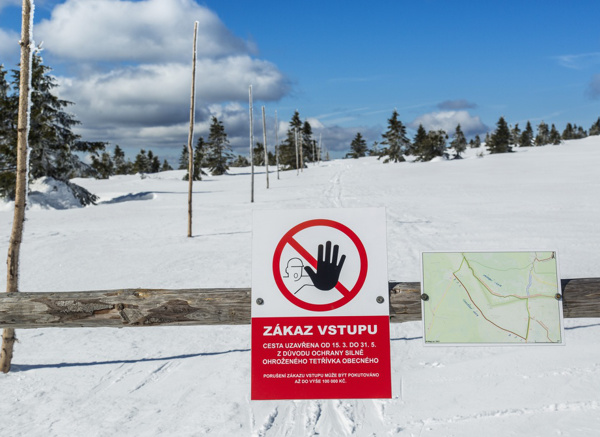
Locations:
(491, 298)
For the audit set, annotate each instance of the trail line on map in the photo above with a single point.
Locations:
(483, 315)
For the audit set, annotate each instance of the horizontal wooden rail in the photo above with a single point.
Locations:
(143, 307)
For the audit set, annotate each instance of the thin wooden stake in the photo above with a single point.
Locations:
(265, 145)
(191, 135)
(251, 148)
(276, 144)
(16, 236)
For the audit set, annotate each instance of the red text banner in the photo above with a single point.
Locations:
(321, 357)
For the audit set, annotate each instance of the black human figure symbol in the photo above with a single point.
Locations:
(328, 270)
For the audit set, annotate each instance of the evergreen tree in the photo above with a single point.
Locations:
(595, 129)
(308, 144)
(219, 151)
(554, 136)
(287, 149)
(421, 144)
(183, 158)
(395, 139)
(166, 166)
(358, 147)
(500, 139)
(526, 138)
(154, 162)
(580, 132)
(142, 163)
(459, 142)
(53, 145)
(240, 161)
(568, 133)
(476, 142)
(543, 136)
(104, 166)
(515, 135)
(122, 165)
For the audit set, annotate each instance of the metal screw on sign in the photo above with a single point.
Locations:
(260, 301)
(558, 296)
(380, 299)
(425, 297)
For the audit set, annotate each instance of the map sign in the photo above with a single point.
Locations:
(472, 298)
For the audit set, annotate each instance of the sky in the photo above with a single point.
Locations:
(343, 65)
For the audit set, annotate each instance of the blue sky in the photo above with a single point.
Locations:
(344, 65)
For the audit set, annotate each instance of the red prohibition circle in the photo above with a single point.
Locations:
(347, 295)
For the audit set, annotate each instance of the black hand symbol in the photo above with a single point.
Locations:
(327, 274)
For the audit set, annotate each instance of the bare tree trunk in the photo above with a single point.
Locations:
(191, 135)
(16, 236)
(251, 147)
(265, 141)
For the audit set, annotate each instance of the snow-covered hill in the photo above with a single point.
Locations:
(195, 380)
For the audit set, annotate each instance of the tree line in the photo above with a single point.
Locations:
(427, 145)
(55, 148)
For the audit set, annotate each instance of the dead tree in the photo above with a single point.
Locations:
(16, 236)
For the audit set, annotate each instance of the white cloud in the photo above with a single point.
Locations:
(579, 61)
(152, 94)
(448, 120)
(142, 31)
(594, 87)
(9, 47)
(130, 62)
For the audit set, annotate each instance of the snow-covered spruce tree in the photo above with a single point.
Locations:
(183, 158)
(459, 142)
(554, 136)
(199, 159)
(52, 142)
(122, 165)
(515, 134)
(595, 129)
(166, 166)
(420, 144)
(219, 151)
(526, 138)
(308, 143)
(543, 136)
(104, 166)
(358, 147)
(500, 140)
(395, 139)
(8, 137)
(287, 149)
(142, 163)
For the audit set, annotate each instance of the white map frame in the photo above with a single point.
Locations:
(469, 303)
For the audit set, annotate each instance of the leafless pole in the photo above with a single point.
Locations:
(277, 144)
(320, 147)
(251, 148)
(296, 145)
(301, 147)
(16, 236)
(265, 145)
(191, 135)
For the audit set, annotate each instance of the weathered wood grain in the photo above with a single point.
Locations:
(147, 307)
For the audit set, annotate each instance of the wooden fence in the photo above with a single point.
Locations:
(144, 307)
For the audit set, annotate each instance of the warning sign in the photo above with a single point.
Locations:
(320, 311)
(304, 285)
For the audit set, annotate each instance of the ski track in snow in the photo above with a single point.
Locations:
(195, 381)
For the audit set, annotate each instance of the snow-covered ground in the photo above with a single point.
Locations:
(190, 381)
